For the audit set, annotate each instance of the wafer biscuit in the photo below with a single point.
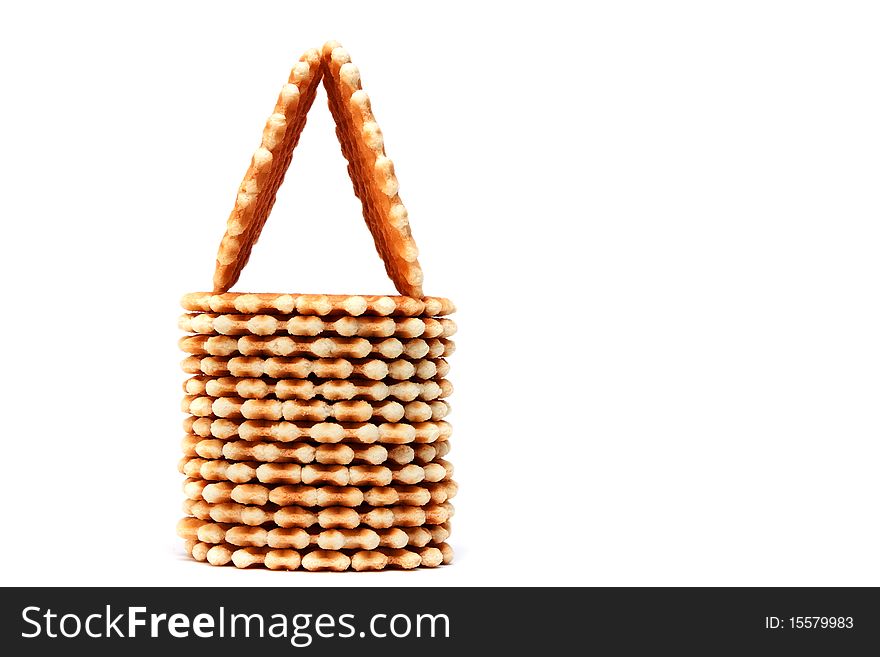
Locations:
(331, 390)
(325, 368)
(326, 454)
(292, 473)
(334, 517)
(318, 559)
(322, 347)
(293, 368)
(322, 305)
(371, 172)
(322, 432)
(298, 452)
(306, 495)
(311, 325)
(256, 194)
(297, 538)
(314, 410)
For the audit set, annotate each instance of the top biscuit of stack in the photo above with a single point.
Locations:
(322, 305)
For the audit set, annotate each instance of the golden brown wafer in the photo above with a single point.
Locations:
(298, 452)
(334, 517)
(293, 368)
(312, 326)
(217, 492)
(321, 347)
(320, 560)
(331, 390)
(256, 194)
(297, 538)
(322, 432)
(326, 454)
(293, 473)
(314, 410)
(372, 173)
(325, 368)
(322, 305)
(222, 554)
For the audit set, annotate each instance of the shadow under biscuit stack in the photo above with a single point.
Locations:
(315, 432)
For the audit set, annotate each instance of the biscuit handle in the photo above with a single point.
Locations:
(256, 194)
(371, 171)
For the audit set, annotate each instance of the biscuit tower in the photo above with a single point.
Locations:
(315, 432)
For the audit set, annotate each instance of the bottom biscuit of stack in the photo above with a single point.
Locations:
(290, 547)
(316, 560)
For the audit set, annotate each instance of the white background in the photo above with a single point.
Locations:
(659, 222)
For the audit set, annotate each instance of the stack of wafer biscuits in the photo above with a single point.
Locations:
(315, 434)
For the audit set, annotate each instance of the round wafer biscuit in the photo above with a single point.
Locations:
(315, 410)
(311, 325)
(257, 191)
(305, 495)
(331, 390)
(293, 473)
(325, 368)
(318, 559)
(322, 432)
(321, 347)
(322, 305)
(298, 538)
(334, 517)
(305, 453)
